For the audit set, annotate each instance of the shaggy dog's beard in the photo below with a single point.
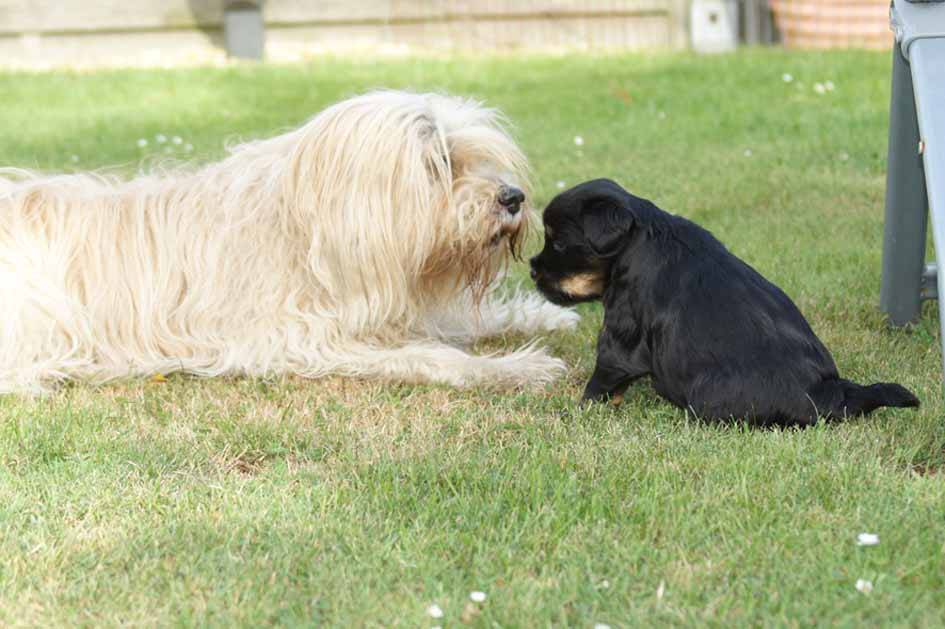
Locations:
(368, 242)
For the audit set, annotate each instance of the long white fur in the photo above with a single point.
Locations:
(362, 243)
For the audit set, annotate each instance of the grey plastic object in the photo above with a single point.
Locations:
(917, 123)
(906, 204)
(243, 29)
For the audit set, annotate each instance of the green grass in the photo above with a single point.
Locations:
(239, 502)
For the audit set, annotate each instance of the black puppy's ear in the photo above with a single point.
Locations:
(606, 223)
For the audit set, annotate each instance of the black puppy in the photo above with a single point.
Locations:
(715, 336)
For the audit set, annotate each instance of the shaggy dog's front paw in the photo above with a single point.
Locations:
(558, 318)
(533, 367)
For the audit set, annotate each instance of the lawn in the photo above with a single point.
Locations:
(241, 502)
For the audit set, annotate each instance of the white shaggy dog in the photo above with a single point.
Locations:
(368, 242)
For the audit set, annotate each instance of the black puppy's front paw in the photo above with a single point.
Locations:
(594, 393)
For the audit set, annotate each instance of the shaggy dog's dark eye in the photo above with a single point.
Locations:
(558, 246)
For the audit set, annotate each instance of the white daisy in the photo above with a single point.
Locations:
(867, 539)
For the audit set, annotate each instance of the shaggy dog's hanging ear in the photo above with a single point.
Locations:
(606, 222)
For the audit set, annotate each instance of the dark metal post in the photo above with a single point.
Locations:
(752, 22)
(906, 203)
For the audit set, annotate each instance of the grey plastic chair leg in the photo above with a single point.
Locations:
(927, 58)
(917, 119)
(906, 204)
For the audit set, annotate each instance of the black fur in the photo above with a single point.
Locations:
(714, 335)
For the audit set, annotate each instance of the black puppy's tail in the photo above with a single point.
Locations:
(839, 398)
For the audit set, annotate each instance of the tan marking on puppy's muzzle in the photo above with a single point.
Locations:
(583, 284)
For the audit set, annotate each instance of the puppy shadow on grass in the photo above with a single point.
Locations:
(714, 336)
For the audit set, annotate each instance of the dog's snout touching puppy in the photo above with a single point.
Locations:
(512, 219)
(715, 336)
(511, 198)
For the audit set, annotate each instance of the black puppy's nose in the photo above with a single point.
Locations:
(534, 271)
(510, 198)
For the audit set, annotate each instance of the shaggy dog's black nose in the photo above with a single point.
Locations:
(534, 271)
(510, 198)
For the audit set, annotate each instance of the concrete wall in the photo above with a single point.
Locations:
(39, 33)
